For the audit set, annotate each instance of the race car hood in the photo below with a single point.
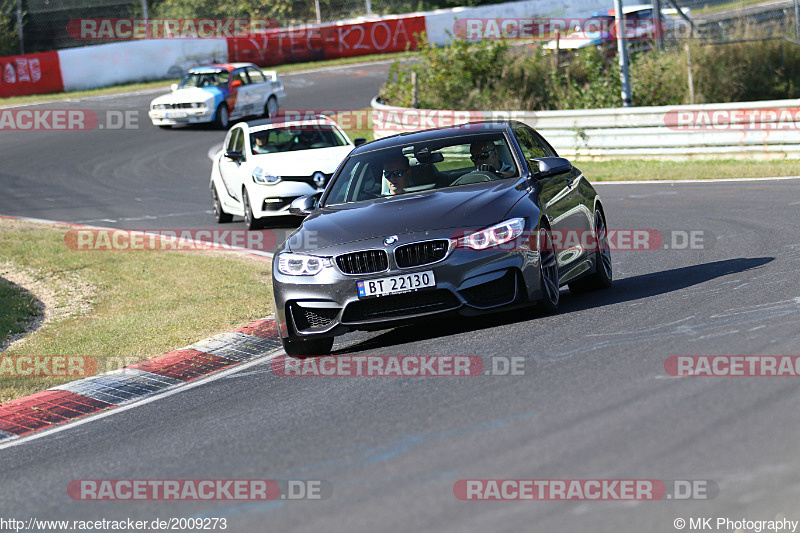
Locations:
(468, 207)
(302, 162)
(187, 96)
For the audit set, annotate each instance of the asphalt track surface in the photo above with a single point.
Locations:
(594, 401)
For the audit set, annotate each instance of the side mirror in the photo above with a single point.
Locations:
(304, 205)
(359, 141)
(235, 84)
(233, 155)
(549, 166)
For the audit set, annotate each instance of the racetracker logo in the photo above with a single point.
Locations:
(66, 120)
(584, 489)
(787, 119)
(198, 489)
(106, 240)
(47, 366)
(546, 28)
(398, 366)
(733, 365)
(186, 28)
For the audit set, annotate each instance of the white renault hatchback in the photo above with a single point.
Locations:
(266, 164)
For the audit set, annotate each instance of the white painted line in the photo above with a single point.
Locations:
(103, 414)
(712, 180)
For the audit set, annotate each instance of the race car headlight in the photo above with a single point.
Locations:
(291, 264)
(264, 178)
(493, 236)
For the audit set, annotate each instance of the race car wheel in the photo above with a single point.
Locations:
(216, 205)
(603, 274)
(222, 119)
(548, 274)
(271, 107)
(307, 347)
(249, 219)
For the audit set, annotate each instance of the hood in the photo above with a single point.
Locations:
(187, 95)
(579, 40)
(302, 162)
(466, 207)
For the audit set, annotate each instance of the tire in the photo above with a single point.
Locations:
(548, 276)
(271, 107)
(221, 216)
(249, 218)
(307, 348)
(222, 119)
(603, 274)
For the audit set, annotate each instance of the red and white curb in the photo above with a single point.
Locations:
(78, 399)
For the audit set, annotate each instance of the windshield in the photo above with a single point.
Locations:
(206, 79)
(421, 167)
(300, 137)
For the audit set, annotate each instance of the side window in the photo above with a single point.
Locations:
(240, 75)
(256, 75)
(231, 141)
(239, 142)
(530, 147)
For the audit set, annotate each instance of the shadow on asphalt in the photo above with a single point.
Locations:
(623, 290)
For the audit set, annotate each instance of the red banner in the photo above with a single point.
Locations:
(280, 46)
(30, 74)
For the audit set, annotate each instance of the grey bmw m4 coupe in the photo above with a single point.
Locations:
(468, 219)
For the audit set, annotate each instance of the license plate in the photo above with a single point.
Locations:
(396, 284)
(176, 114)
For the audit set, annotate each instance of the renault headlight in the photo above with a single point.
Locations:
(264, 178)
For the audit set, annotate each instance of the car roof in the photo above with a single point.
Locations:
(219, 66)
(269, 123)
(471, 128)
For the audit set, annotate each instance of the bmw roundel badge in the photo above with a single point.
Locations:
(388, 241)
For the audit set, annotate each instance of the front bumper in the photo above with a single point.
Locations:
(467, 281)
(174, 117)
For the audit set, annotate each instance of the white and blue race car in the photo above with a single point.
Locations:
(219, 94)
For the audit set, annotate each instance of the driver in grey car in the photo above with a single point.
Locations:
(485, 157)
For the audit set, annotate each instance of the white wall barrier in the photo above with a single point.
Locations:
(761, 130)
(103, 65)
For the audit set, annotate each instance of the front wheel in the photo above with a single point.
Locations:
(548, 275)
(603, 274)
(249, 218)
(271, 107)
(307, 347)
(216, 206)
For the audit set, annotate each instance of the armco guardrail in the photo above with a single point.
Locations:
(766, 130)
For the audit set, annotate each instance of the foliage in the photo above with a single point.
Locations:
(489, 75)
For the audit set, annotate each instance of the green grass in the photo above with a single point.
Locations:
(17, 309)
(637, 169)
(152, 85)
(134, 304)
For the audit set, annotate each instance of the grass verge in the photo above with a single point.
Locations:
(17, 309)
(121, 307)
(638, 169)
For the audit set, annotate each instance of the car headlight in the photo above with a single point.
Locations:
(291, 264)
(264, 178)
(493, 236)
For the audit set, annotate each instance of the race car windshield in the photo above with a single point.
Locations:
(292, 138)
(205, 79)
(423, 167)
